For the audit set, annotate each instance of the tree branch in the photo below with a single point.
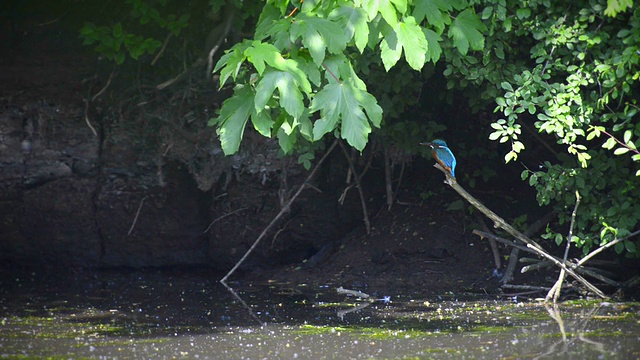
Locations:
(282, 212)
(499, 222)
(356, 177)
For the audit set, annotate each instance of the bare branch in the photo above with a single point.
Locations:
(282, 211)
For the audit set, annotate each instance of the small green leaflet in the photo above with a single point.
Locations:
(466, 31)
(260, 53)
(345, 102)
(231, 62)
(406, 35)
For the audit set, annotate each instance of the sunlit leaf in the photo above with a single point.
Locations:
(413, 42)
(290, 97)
(233, 118)
(345, 103)
(318, 35)
(621, 150)
(355, 24)
(466, 32)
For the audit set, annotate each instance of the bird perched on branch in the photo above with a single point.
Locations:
(441, 153)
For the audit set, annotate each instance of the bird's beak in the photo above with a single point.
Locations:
(426, 143)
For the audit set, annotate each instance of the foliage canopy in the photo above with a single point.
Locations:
(564, 72)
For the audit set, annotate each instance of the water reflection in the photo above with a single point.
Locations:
(191, 315)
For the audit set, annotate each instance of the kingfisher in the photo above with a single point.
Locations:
(441, 153)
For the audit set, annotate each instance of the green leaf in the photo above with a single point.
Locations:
(233, 118)
(466, 32)
(119, 58)
(384, 7)
(630, 246)
(435, 11)
(117, 30)
(413, 41)
(354, 21)
(262, 122)
(229, 64)
(290, 96)
(390, 50)
(511, 155)
(286, 140)
(506, 86)
(523, 13)
(609, 144)
(621, 150)
(345, 102)
(319, 35)
(407, 36)
(558, 239)
(260, 54)
(433, 45)
(616, 6)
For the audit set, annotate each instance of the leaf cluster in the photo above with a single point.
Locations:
(137, 35)
(300, 78)
(570, 71)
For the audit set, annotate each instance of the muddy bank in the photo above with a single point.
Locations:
(134, 177)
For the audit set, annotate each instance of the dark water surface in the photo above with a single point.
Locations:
(190, 315)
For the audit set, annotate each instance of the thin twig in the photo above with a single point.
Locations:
(356, 177)
(331, 73)
(164, 46)
(282, 211)
(387, 178)
(86, 118)
(395, 193)
(223, 36)
(104, 88)
(525, 287)
(222, 217)
(135, 219)
(492, 243)
(357, 293)
(93, 98)
(606, 246)
(554, 293)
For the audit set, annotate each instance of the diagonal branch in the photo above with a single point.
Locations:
(499, 222)
(285, 208)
